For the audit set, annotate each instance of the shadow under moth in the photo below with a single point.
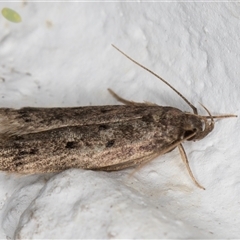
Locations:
(108, 138)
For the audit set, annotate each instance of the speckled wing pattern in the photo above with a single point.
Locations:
(39, 140)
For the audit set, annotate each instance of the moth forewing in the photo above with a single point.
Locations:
(121, 135)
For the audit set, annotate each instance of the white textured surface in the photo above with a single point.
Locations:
(61, 55)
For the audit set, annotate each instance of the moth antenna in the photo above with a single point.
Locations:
(222, 116)
(153, 73)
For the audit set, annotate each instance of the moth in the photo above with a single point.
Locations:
(108, 138)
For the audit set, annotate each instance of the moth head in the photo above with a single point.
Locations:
(198, 126)
(206, 122)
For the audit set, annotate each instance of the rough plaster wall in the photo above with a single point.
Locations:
(61, 55)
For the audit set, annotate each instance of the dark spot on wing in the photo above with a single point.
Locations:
(71, 145)
(23, 152)
(33, 151)
(17, 164)
(103, 127)
(110, 143)
(88, 144)
(104, 110)
(147, 118)
(25, 115)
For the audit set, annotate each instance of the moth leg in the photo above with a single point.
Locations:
(185, 160)
(127, 102)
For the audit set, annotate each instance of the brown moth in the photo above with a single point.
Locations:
(109, 138)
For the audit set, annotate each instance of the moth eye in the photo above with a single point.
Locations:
(190, 132)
